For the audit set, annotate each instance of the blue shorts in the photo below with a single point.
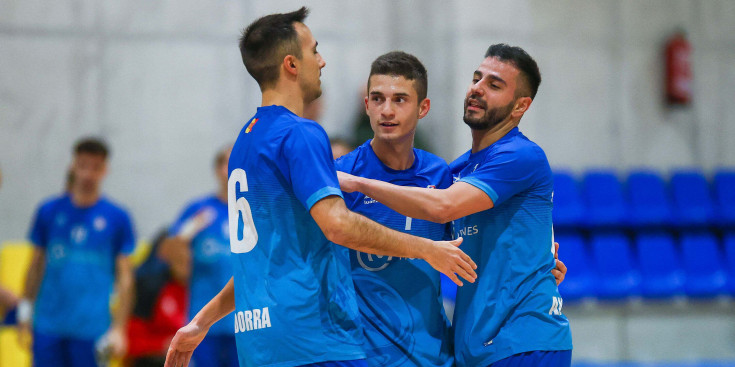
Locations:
(49, 350)
(351, 363)
(215, 350)
(538, 358)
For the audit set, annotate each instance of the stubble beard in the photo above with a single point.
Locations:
(491, 118)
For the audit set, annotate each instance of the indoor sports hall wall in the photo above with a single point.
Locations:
(163, 83)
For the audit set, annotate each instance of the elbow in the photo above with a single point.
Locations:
(440, 212)
(335, 230)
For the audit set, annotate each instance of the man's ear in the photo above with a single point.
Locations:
(424, 107)
(521, 106)
(290, 65)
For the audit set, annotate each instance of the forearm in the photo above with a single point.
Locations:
(125, 300)
(34, 275)
(364, 235)
(221, 305)
(414, 202)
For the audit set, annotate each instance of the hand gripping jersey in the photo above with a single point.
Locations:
(81, 245)
(295, 302)
(514, 306)
(399, 299)
(210, 250)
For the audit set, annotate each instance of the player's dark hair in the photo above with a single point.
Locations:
(399, 63)
(521, 60)
(92, 146)
(266, 41)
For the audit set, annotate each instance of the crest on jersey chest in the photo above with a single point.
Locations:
(99, 224)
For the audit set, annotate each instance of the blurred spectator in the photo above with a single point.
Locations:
(160, 308)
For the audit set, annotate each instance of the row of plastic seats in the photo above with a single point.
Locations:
(652, 265)
(645, 200)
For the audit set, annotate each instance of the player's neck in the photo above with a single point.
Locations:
(397, 155)
(482, 139)
(83, 199)
(222, 194)
(290, 98)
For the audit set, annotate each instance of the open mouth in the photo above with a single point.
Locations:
(388, 124)
(474, 104)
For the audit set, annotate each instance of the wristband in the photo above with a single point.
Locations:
(25, 311)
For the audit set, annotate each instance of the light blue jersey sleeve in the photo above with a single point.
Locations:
(310, 164)
(507, 173)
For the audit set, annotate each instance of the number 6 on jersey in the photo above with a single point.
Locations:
(237, 207)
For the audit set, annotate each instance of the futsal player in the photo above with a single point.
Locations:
(81, 243)
(200, 241)
(399, 298)
(501, 204)
(293, 297)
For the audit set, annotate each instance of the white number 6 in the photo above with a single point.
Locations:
(237, 207)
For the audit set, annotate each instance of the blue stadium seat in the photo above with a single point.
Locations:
(649, 201)
(693, 206)
(603, 196)
(568, 207)
(661, 272)
(703, 265)
(724, 187)
(729, 261)
(581, 279)
(617, 274)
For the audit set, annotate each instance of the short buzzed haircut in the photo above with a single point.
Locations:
(522, 61)
(93, 146)
(265, 43)
(399, 63)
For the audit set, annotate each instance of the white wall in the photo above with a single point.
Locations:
(162, 81)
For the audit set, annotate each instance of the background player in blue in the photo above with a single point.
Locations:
(200, 241)
(501, 204)
(293, 297)
(81, 242)
(399, 299)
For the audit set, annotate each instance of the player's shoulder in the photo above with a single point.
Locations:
(522, 147)
(198, 202)
(347, 163)
(430, 161)
(114, 208)
(52, 203)
(460, 162)
(526, 156)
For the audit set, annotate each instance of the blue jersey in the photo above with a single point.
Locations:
(295, 302)
(81, 245)
(210, 250)
(399, 299)
(514, 306)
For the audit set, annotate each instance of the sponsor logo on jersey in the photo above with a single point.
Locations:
(78, 234)
(368, 200)
(468, 231)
